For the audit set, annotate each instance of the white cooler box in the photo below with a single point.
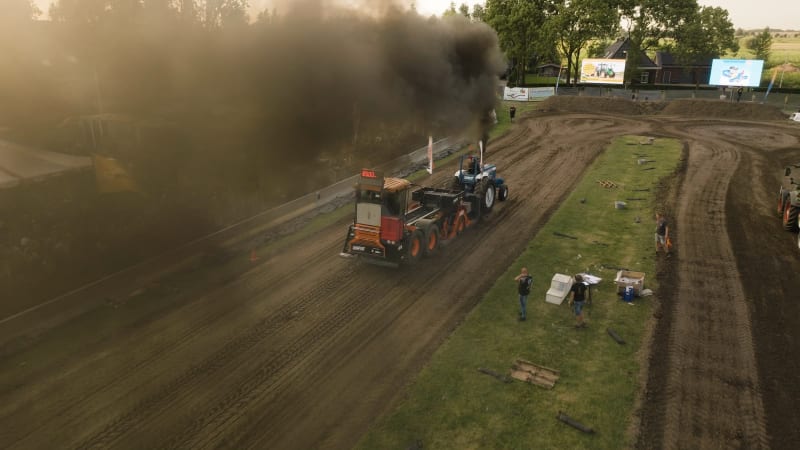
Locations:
(559, 288)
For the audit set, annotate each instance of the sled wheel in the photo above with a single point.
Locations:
(461, 224)
(780, 203)
(790, 217)
(415, 246)
(431, 240)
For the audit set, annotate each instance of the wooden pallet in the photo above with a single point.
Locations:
(608, 184)
(534, 374)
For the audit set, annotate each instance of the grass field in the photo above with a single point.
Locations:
(451, 405)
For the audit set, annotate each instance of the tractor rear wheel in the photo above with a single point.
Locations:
(486, 194)
(416, 247)
(790, 217)
(431, 240)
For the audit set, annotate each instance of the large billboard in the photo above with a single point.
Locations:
(603, 71)
(736, 72)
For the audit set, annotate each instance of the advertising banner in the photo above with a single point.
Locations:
(540, 93)
(603, 71)
(519, 94)
(736, 72)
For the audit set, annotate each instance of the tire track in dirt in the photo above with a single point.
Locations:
(766, 255)
(168, 393)
(206, 313)
(505, 210)
(292, 366)
(710, 354)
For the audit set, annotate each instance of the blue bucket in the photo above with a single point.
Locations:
(627, 294)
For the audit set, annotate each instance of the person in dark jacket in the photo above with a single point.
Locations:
(662, 233)
(524, 282)
(578, 300)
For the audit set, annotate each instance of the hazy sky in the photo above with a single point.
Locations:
(748, 14)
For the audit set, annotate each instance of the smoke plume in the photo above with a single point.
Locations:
(322, 73)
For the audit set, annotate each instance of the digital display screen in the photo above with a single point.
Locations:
(370, 177)
(369, 173)
(736, 72)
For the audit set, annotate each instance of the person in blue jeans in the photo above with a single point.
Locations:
(578, 291)
(524, 282)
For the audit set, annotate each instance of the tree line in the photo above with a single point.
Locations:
(532, 32)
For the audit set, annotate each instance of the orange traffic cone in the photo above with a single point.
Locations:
(253, 257)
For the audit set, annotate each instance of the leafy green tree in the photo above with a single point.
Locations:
(709, 34)
(225, 13)
(478, 12)
(648, 22)
(577, 22)
(462, 9)
(451, 11)
(761, 44)
(522, 31)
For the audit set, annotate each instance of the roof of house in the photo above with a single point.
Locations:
(619, 50)
(664, 59)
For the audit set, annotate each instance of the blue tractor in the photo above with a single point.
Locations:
(481, 179)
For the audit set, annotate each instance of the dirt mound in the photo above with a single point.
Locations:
(715, 109)
(723, 110)
(602, 105)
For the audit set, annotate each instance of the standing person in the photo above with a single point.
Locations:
(524, 282)
(512, 112)
(578, 300)
(662, 233)
(738, 95)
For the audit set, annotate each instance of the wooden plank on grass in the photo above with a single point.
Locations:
(534, 374)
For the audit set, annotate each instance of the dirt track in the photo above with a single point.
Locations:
(303, 349)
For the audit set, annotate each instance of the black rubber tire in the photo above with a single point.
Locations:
(502, 193)
(431, 240)
(416, 247)
(487, 194)
(790, 217)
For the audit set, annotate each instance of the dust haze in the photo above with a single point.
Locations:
(214, 114)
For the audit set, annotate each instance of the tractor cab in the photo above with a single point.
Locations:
(382, 205)
(471, 173)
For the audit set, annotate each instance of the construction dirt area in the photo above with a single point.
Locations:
(300, 348)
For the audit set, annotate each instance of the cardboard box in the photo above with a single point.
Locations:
(627, 278)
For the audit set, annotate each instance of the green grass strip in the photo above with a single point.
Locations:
(451, 405)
